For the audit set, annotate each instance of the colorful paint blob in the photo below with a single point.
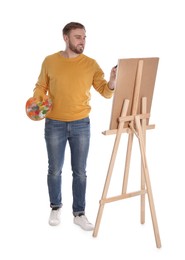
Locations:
(37, 110)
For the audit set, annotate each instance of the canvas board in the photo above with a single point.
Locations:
(125, 86)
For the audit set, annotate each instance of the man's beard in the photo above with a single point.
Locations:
(77, 50)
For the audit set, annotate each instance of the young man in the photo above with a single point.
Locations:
(67, 77)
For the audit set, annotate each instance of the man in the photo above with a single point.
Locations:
(67, 77)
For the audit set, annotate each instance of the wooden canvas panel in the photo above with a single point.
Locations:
(125, 86)
(125, 82)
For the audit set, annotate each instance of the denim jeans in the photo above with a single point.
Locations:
(57, 134)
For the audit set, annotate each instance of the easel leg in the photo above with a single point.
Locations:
(107, 183)
(143, 185)
(127, 162)
(142, 214)
(147, 180)
(110, 170)
(98, 220)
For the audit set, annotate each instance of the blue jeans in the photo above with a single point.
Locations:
(77, 133)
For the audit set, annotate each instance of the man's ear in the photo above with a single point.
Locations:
(65, 37)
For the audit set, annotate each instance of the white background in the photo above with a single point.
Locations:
(29, 31)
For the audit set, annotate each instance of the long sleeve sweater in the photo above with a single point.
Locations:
(68, 81)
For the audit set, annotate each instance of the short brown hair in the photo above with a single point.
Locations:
(71, 26)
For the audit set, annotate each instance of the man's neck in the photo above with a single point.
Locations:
(69, 54)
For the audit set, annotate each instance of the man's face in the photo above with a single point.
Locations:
(76, 40)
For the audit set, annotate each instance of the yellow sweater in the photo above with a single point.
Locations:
(68, 82)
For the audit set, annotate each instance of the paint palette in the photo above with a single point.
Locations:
(37, 110)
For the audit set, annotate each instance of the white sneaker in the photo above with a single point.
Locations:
(54, 218)
(83, 222)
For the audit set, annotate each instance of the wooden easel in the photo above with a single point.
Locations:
(136, 125)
